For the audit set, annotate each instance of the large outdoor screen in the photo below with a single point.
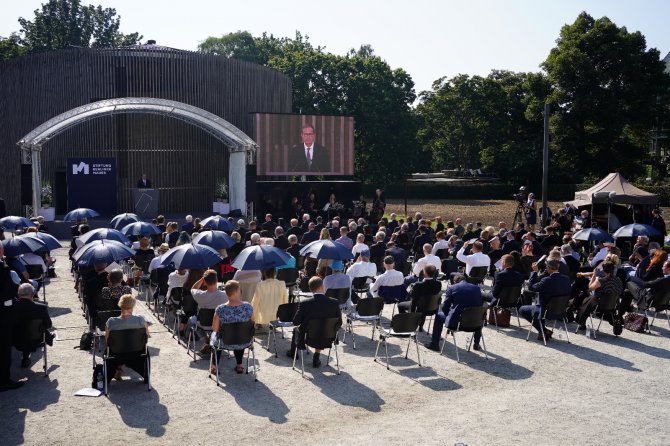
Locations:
(304, 144)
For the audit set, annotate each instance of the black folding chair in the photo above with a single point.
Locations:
(32, 337)
(339, 294)
(204, 320)
(470, 320)
(237, 333)
(607, 305)
(554, 311)
(659, 303)
(189, 307)
(477, 274)
(36, 273)
(359, 288)
(173, 301)
(403, 325)
(290, 278)
(124, 344)
(285, 314)
(428, 306)
(102, 315)
(509, 298)
(320, 330)
(367, 310)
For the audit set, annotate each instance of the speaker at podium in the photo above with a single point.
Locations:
(146, 202)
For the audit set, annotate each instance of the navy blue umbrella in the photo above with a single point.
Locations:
(12, 223)
(214, 239)
(16, 246)
(105, 234)
(593, 235)
(636, 230)
(326, 249)
(102, 251)
(217, 222)
(122, 220)
(260, 257)
(49, 240)
(140, 228)
(79, 214)
(191, 256)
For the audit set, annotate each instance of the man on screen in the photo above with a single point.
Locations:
(308, 156)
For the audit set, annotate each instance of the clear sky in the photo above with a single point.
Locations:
(429, 39)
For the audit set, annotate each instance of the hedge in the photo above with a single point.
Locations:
(474, 191)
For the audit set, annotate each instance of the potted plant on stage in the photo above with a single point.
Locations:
(221, 205)
(47, 211)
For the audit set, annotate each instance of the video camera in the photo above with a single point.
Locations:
(521, 196)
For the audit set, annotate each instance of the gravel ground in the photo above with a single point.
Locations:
(605, 391)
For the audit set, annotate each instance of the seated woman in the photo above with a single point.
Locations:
(235, 310)
(269, 294)
(600, 285)
(127, 321)
(115, 288)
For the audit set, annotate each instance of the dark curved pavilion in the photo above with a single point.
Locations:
(183, 161)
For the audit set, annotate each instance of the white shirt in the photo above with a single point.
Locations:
(430, 259)
(440, 244)
(362, 269)
(176, 281)
(359, 247)
(155, 263)
(391, 277)
(248, 276)
(475, 259)
(33, 259)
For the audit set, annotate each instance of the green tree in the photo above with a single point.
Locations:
(606, 85)
(64, 23)
(11, 47)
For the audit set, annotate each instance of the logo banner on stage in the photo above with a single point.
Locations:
(91, 183)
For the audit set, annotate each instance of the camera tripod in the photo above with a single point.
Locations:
(518, 214)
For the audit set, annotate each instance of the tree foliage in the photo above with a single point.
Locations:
(358, 84)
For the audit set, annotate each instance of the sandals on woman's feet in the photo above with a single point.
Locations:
(239, 369)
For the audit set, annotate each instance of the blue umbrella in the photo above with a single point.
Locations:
(16, 246)
(50, 241)
(122, 220)
(102, 251)
(105, 234)
(217, 222)
(260, 257)
(12, 223)
(636, 230)
(593, 235)
(140, 228)
(191, 256)
(326, 249)
(214, 239)
(79, 214)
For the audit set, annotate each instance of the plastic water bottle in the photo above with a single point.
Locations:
(100, 383)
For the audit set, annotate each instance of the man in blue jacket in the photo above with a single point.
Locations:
(459, 296)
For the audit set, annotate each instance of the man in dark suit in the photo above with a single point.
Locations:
(657, 287)
(94, 282)
(309, 156)
(7, 294)
(399, 255)
(144, 183)
(294, 247)
(268, 224)
(421, 239)
(334, 230)
(424, 288)
(512, 244)
(25, 310)
(294, 229)
(377, 250)
(310, 236)
(317, 307)
(319, 224)
(505, 278)
(281, 241)
(459, 296)
(552, 285)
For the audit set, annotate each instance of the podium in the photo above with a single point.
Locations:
(146, 202)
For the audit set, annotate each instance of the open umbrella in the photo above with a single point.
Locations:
(102, 251)
(122, 220)
(326, 249)
(593, 235)
(636, 230)
(79, 214)
(217, 222)
(13, 222)
(214, 239)
(260, 257)
(191, 256)
(16, 246)
(50, 241)
(140, 228)
(105, 234)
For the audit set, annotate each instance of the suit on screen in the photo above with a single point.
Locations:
(297, 161)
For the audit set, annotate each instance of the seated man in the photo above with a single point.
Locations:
(459, 296)
(390, 278)
(269, 294)
(505, 278)
(419, 265)
(477, 258)
(362, 267)
(554, 284)
(399, 255)
(25, 309)
(426, 287)
(656, 287)
(317, 307)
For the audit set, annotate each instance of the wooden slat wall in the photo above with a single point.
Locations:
(183, 161)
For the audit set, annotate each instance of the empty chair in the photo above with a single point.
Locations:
(32, 337)
(659, 303)
(607, 305)
(393, 294)
(477, 274)
(285, 314)
(233, 335)
(428, 306)
(359, 288)
(508, 298)
(339, 294)
(204, 323)
(320, 332)
(189, 308)
(36, 273)
(554, 311)
(470, 320)
(290, 278)
(403, 325)
(367, 310)
(125, 345)
(110, 309)
(173, 302)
